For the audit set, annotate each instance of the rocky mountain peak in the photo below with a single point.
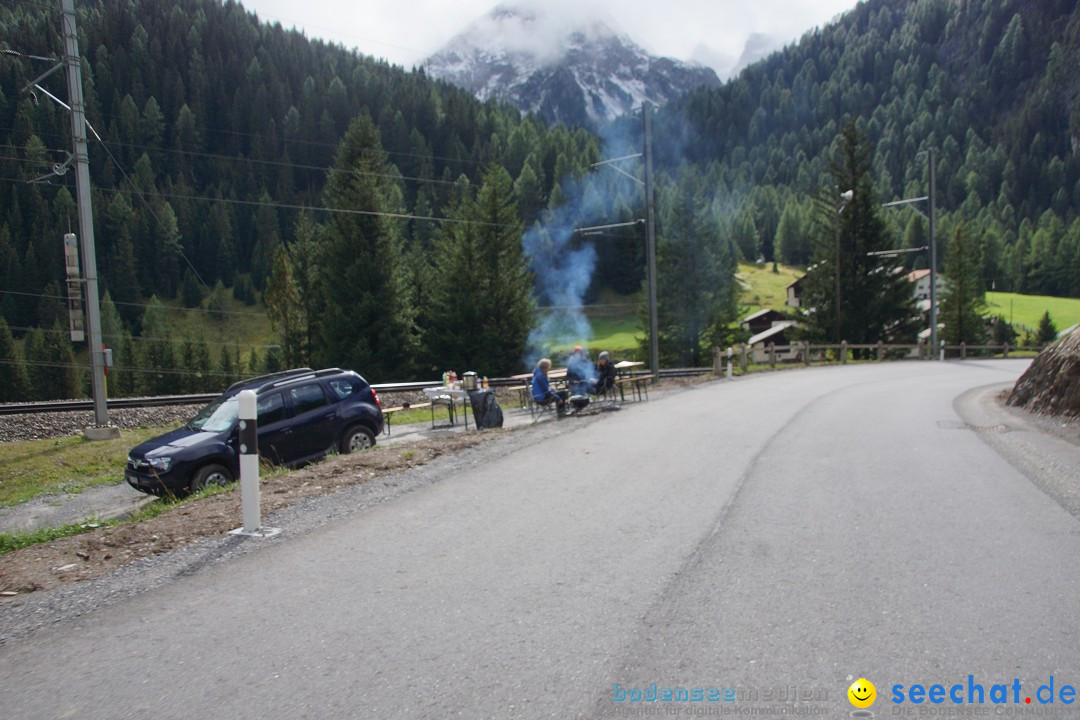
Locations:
(565, 67)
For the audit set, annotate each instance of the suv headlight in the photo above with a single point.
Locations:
(161, 464)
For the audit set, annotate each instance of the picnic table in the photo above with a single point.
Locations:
(524, 390)
(638, 384)
(449, 396)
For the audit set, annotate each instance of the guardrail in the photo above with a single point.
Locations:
(773, 354)
(203, 398)
(159, 401)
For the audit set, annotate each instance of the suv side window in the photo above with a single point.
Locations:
(306, 398)
(271, 409)
(342, 388)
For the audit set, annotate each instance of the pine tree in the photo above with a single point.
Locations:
(39, 373)
(60, 353)
(963, 304)
(14, 380)
(158, 355)
(123, 381)
(202, 367)
(1046, 332)
(219, 302)
(367, 322)
(272, 362)
(792, 241)
(227, 367)
(306, 258)
(188, 379)
(51, 364)
(190, 291)
(284, 309)
(695, 276)
(266, 243)
(482, 307)
(875, 302)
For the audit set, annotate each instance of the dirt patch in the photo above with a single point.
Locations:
(99, 551)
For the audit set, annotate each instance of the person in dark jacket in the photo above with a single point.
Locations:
(580, 374)
(605, 375)
(541, 388)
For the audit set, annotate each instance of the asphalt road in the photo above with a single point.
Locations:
(779, 535)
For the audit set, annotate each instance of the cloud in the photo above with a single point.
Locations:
(537, 29)
(406, 33)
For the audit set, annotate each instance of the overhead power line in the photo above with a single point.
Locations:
(169, 308)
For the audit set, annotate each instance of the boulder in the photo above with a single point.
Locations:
(1051, 386)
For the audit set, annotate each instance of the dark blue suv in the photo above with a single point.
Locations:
(303, 414)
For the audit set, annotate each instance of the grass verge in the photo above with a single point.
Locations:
(33, 468)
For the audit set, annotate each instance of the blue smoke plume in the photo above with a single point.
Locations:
(563, 274)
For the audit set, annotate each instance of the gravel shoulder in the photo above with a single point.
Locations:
(1045, 449)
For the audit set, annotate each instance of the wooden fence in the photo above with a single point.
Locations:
(807, 353)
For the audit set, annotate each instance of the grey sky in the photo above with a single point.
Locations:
(407, 32)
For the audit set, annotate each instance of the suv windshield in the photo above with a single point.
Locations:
(217, 416)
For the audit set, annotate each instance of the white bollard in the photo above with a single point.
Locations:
(942, 356)
(249, 469)
(730, 355)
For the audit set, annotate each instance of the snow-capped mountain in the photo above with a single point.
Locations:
(579, 72)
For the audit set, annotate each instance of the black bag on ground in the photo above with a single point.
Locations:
(486, 410)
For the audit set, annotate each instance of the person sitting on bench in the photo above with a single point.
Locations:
(541, 388)
(605, 375)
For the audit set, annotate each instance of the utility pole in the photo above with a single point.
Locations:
(101, 429)
(932, 157)
(845, 198)
(650, 245)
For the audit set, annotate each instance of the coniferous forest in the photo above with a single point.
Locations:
(990, 85)
(378, 215)
(223, 140)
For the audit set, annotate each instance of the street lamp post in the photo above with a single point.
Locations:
(845, 198)
(932, 218)
(932, 161)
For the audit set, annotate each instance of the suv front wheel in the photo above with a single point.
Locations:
(357, 438)
(208, 476)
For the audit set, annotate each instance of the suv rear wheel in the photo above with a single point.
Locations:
(357, 438)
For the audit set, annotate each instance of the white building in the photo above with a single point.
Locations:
(920, 281)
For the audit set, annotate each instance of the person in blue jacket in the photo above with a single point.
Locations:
(541, 388)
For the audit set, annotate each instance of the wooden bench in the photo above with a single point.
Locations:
(388, 413)
(639, 385)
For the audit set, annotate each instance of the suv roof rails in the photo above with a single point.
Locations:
(269, 376)
(302, 375)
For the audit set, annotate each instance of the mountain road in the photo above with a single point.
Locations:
(765, 541)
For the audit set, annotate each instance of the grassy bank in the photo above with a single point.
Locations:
(760, 287)
(32, 468)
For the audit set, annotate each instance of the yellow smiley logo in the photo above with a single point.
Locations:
(862, 693)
